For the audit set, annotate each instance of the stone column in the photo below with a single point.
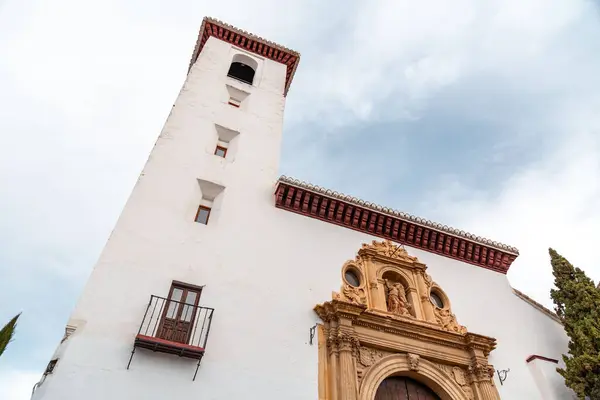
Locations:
(333, 352)
(488, 391)
(482, 375)
(381, 297)
(347, 368)
(412, 295)
(323, 361)
(423, 285)
(377, 300)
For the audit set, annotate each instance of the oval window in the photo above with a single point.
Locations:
(436, 300)
(352, 278)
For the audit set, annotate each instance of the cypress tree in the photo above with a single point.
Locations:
(577, 303)
(7, 333)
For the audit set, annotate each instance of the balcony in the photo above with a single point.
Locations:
(174, 327)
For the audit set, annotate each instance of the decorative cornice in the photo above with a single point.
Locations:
(537, 305)
(336, 310)
(351, 212)
(249, 42)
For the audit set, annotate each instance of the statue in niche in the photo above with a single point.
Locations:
(396, 298)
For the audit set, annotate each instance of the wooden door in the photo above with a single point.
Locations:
(401, 388)
(179, 314)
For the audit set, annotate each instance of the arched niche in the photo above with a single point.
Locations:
(390, 277)
(408, 279)
(243, 68)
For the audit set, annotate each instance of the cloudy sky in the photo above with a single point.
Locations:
(480, 114)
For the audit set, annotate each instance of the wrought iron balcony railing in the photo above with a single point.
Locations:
(174, 327)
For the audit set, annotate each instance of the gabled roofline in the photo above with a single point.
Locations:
(537, 305)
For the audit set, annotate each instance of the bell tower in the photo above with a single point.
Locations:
(175, 266)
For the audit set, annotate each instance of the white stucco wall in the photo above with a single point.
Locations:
(264, 268)
(549, 382)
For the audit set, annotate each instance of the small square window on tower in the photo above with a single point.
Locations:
(203, 214)
(209, 192)
(234, 102)
(226, 143)
(236, 96)
(221, 151)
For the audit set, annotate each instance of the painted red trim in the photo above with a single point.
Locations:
(168, 343)
(233, 104)
(249, 43)
(538, 357)
(397, 229)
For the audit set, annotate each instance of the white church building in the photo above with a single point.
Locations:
(222, 280)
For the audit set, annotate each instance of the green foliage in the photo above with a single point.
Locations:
(7, 333)
(577, 303)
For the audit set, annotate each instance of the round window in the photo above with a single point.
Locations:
(436, 300)
(352, 278)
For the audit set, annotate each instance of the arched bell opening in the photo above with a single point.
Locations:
(243, 68)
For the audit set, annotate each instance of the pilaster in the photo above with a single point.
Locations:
(424, 284)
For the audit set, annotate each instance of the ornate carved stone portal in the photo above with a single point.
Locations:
(390, 318)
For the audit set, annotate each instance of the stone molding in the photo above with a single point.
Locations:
(398, 364)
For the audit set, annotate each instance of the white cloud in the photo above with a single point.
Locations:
(398, 54)
(551, 203)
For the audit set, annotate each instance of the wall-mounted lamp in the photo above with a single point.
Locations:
(502, 375)
(312, 334)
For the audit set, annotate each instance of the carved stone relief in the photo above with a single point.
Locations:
(447, 321)
(459, 377)
(338, 341)
(446, 368)
(366, 358)
(481, 372)
(353, 294)
(388, 249)
(413, 361)
(427, 279)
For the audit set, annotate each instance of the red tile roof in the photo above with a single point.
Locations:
(350, 212)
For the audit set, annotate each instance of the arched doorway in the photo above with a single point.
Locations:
(403, 388)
